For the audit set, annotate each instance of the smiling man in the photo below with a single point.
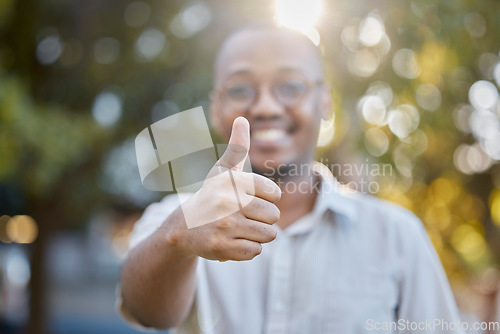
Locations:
(313, 260)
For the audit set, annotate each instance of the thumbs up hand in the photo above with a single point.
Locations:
(233, 212)
(239, 144)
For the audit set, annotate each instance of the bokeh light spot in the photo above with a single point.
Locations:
(483, 94)
(461, 117)
(363, 63)
(418, 141)
(3, 229)
(470, 159)
(376, 142)
(371, 31)
(299, 15)
(191, 19)
(150, 44)
(107, 109)
(444, 190)
(468, 242)
(496, 74)
(428, 97)
(349, 37)
(438, 215)
(405, 64)
(491, 147)
(17, 268)
(313, 35)
(475, 24)
(137, 14)
(106, 50)
(487, 62)
(383, 90)
(326, 132)
(403, 120)
(373, 109)
(49, 50)
(484, 124)
(495, 206)
(22, 229)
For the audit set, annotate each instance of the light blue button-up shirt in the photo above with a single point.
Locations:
(355, 264)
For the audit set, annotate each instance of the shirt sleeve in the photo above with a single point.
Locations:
(425, 299)
(152, 218)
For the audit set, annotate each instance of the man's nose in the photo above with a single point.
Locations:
(266, 105)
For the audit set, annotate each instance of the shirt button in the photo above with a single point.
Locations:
(279, 306)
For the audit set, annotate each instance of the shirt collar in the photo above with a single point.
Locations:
(333, 196)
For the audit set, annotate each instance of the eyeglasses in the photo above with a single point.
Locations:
(289, 92)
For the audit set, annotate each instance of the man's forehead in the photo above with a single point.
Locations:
(268, 50)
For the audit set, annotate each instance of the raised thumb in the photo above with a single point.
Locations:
(239, 144)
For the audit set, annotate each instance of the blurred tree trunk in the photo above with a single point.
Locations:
(52, 212)
(43, 212)
(37, 316)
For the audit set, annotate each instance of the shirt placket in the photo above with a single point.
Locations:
(280, 288)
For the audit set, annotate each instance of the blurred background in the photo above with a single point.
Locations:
(415, 85)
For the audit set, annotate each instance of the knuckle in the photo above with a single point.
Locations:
(242, 182)
(214, 245)
(249, 252)
(254, 203)
(225, 223)
(252, 251)
(261, 204)
(258, 250)
(224, 201)
(221, 179)
(213, 180)
(268, 233)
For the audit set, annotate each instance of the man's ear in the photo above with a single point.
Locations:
(215, 114)
(326, 103)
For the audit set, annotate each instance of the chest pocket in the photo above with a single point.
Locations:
(356, 297)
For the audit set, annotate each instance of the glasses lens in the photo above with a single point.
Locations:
(290, 91)
(240, 94)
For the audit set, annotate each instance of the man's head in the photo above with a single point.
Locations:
(273, 77)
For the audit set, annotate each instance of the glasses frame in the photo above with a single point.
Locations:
(309, 85)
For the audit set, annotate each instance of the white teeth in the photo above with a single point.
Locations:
(268, 135)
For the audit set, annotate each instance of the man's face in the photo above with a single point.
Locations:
(274, 79)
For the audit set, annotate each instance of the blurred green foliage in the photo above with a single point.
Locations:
(155, 58)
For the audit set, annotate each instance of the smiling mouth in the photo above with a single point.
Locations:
(269, 135)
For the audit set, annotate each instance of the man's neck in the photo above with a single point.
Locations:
(298, 197)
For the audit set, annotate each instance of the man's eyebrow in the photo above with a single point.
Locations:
(247, 72)
(286, 69)
(238, 72)
(297, 70)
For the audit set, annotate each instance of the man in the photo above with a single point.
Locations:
(304, 259)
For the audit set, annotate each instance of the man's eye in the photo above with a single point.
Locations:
(291, 89)
(240, 92)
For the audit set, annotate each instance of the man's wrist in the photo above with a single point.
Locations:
(175, 236)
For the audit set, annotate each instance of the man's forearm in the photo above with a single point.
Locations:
(158, 281)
